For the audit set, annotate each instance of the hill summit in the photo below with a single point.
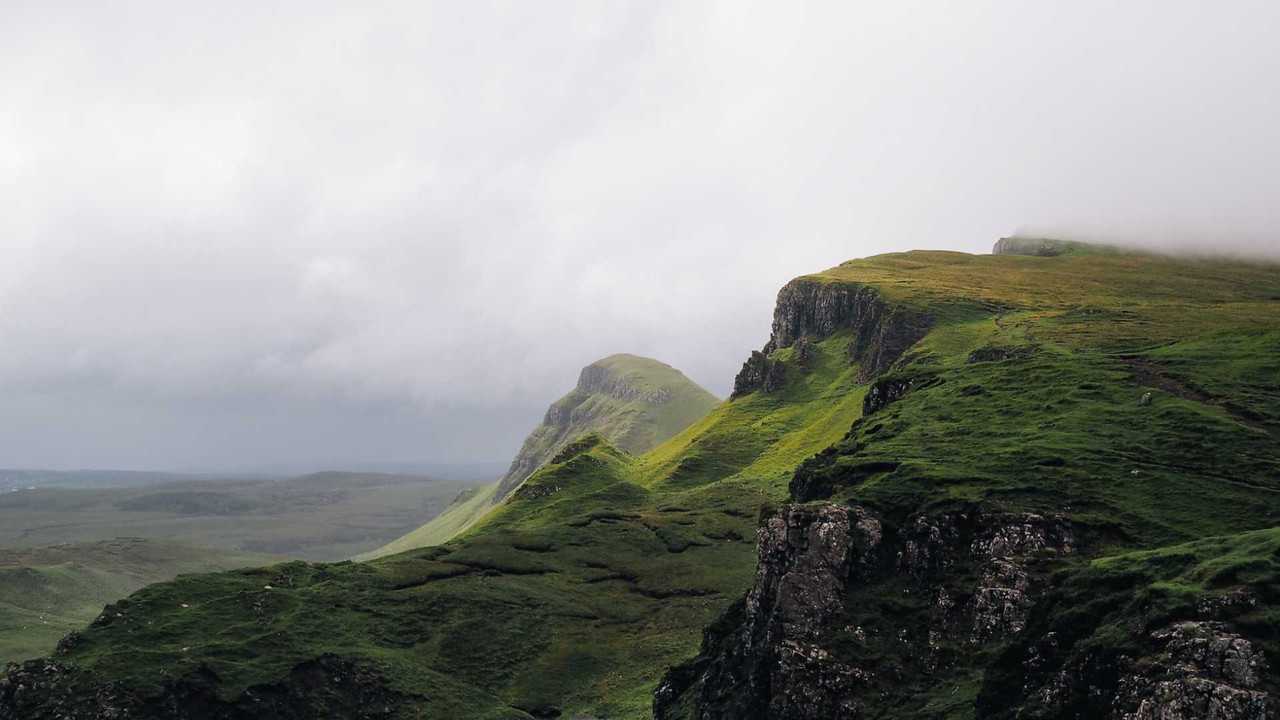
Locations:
(632, 402)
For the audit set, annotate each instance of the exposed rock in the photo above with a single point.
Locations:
(1042, 247)
(1190, 669)
(888, 390)
(779, 655)
(810, 309)
(805, 353)
(777, 663)
(999, 354)
(1203, 671)
(759, 372)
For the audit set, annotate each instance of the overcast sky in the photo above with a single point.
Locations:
(242, 235)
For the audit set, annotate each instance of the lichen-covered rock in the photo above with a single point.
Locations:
(1203, 671)
(776, 662)
(759, 372)
(783, 652)
(1185, 670)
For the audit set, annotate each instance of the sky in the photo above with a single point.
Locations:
(249, 235)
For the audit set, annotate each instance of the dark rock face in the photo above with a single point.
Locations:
(328, 687)
(1196, 669)
(792, 649)
(775, 664)
(808, 309)
(1204, 671)
(886, 391)
(999, 354)
(759, 373)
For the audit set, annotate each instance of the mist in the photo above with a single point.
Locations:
(319, 235)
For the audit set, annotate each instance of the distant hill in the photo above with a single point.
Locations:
(47, 592)
(632, 402)
(949, 486)
(320, 516)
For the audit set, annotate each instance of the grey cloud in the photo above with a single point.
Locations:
(323, 233)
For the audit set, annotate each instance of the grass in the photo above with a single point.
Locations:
(644, 403)
(602, 569)
(461, 514)
(49, 591)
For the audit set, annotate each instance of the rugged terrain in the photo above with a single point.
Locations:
(1039, 485)
(631, 402)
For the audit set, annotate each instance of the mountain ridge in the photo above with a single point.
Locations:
(906, 544)
(632, 402)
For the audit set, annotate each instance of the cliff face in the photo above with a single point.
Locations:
(634, 403)
(812, 309)
(986, 539)
(798, 647)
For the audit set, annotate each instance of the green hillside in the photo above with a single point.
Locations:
(1112, 414)
(47, 592)
(462, 513)
(632, 402)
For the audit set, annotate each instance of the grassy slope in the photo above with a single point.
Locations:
(634, 425)
(459, 516)
(604, 567)
(542, 603)
(47, 592)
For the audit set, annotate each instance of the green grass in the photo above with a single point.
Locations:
(459, 516)
(49, 591)
(657, 402)
(601, 571)
(1103, 610)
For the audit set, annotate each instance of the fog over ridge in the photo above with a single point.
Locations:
(313, 234)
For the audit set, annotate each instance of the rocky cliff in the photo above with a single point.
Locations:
(800, 646)
(813, 309)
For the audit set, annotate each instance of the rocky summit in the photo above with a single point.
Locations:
(1041, 483)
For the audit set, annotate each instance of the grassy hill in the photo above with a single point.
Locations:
(1129, 399)
(632, 402)
(470, 505)
(47, 592)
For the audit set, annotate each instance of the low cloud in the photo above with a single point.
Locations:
(238, 236)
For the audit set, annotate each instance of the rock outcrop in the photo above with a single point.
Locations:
(1202, 671)
(794, 649)
(813, 309)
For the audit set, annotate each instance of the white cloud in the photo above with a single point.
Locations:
(318, 231)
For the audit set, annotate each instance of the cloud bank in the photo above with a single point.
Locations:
(240, 236)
